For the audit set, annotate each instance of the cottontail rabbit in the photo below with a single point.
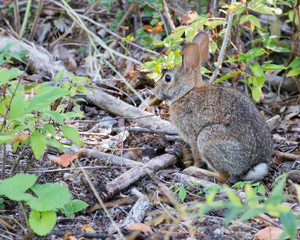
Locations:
(222, 125)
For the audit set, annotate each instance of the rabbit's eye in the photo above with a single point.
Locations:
(168, 78)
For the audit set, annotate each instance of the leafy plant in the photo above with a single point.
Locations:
(180, 190)
(256, 78)
(253, 205)
(6, 55)
(48, 198)
(28, 122)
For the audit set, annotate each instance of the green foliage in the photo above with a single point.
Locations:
(6, 55)
(256, 78)
(180, 190)
(245, 14)
(32, 117)
(253, 204)
(2, 206)
(73, 206)
(48, 197)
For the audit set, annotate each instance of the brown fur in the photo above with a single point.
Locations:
(222, 125)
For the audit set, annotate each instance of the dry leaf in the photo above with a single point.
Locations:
(20, 138)
(189, 17)
(268, 233)
(140, 227)
(65, 159)
(155, 30)
(88, 228)
(148, 28)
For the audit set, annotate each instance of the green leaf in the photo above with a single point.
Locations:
(256, 91)
(182, 193)
(55, 116)
(45, 97)
(254, 21)
(289, 221)
(228, 75)
(295, 63)
(6, 139)
(278, 189)
(294, 72)
(233, 198)
(256, 70)
(148, 11)
(55, 144)
(242, 57)
(51, 129)
(15, 187)
(72, 134)
(269, 67)
(17, 108)
(254, 53)
(14, 72)
(232, 213)
(259, 81)
(262, 8)
(261, 190)
(178, 32)
(73, 206)
(59, 76)
(2, 108)
(49, 197)
(252, 212)
(38, 144)
(4, 75)
(236, 8)
(42, 222)
(250, 194)
(211, 196)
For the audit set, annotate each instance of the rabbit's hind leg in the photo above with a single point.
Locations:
(196, 156)
(221, 177)
(221, 152)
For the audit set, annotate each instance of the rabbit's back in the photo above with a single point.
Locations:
(208, 108)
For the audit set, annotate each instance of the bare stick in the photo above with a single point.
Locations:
(38, 12)
(120, 108)
(136, 173)
(168, 16)
(133, 5)
(16, 15)
(222, 52)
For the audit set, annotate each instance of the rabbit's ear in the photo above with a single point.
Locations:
(202, 40)
(191, 57)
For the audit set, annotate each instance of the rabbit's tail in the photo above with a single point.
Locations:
(257, 172)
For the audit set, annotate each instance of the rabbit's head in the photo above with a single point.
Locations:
(177, 81)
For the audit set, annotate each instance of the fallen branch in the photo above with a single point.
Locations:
(287, 156)
(136, 173)
(119, 161)
(139, 210)
(120, 108)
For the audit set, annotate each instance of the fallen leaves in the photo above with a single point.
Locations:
(269, 233)
(140, 227)
(65, 159)
(155, 30)
(20, 138)
(189, 17)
